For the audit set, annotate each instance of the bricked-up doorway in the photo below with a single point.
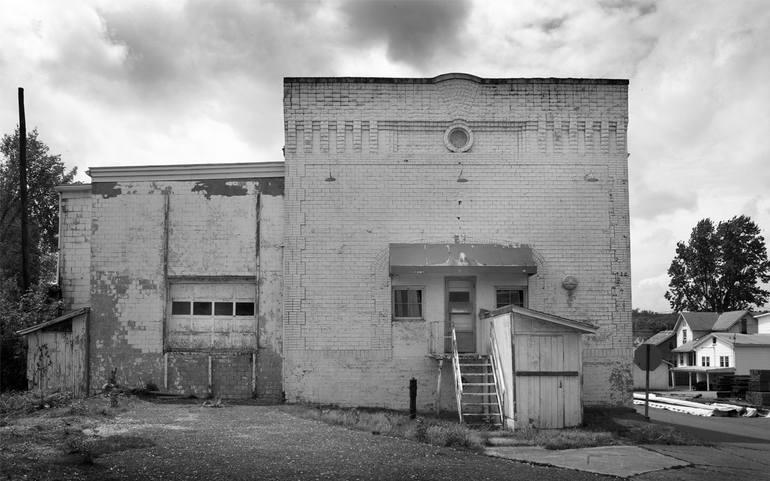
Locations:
(460, 311)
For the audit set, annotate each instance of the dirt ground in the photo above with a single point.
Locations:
(142, 440)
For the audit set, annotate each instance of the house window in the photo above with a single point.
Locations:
(509, 296)
(681, 359)
(724, 361)
(407, 302)
(684, 336)
(744, 326)
(705, 361)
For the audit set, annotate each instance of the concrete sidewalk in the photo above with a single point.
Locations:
(621, 461)
(726, 460)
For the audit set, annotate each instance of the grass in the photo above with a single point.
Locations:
(433, 431)
(602, 427)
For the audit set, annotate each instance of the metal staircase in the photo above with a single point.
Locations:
(476, 388)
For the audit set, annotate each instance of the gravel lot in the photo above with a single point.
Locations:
(188, 441)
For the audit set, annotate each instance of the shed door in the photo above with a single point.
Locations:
(547, 380)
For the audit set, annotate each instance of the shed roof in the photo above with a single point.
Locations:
(544, 316)
(660, 337)
(57, 320)
(727, 319)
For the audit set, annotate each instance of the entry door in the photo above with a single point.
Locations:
(460, 307)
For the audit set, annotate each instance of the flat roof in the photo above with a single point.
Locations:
(239, 170)
(456, 75)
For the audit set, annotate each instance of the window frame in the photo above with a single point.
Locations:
(410, 287)
(522, 289)
(705, 361)
(724, 361)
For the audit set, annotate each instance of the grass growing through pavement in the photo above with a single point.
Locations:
(392, 423)
(602, 427)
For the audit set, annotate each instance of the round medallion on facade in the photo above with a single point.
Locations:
(458, 137)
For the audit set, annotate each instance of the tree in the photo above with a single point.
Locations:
(44, 172)
(720, 269)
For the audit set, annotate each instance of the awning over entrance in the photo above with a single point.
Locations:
(406, 256)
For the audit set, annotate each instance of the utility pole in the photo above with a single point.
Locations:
(23, 192)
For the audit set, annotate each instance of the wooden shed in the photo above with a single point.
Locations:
(57, 354)
(541, 366)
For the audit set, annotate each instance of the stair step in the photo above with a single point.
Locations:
(474, 365)
(479, 404)
(479, 394)
(478, 384)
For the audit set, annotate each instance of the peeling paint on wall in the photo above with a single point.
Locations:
(220, 187)
(106, 189)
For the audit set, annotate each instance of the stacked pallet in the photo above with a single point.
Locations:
(740, 386)
(759, 387)
(724, 386)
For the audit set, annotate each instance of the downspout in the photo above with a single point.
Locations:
(258, 277)
(166, 207)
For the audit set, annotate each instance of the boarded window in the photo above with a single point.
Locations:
(407, 303)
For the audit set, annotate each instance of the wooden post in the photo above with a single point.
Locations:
(708, 385)
(689, 379)
(23, 191)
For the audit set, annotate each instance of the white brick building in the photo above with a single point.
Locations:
(408, 204)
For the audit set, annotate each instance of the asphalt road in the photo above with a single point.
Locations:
(715, 429)
(266, 443)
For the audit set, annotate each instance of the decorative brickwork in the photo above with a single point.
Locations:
(536, 175)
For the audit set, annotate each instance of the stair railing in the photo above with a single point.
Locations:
(497, 373)
(458, 376)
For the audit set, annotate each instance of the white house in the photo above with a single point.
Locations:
(763, 323)
(711, 343)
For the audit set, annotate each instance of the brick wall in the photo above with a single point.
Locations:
(139, 236)
(547, 168)
(75, 248)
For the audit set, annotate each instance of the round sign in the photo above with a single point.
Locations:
(640, 356)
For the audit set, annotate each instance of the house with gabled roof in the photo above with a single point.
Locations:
(711, 343)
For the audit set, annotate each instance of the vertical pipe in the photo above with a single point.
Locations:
(23, 191)
(412, 398)
(165, 371)
(166, 207)
(254, 374)
(257, 275)
(210, 387)
(438, 386)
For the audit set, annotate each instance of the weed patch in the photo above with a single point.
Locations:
(392, 423)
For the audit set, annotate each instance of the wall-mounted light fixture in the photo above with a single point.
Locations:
(460, 177)
(330, 178)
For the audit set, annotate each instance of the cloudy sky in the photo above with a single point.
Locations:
(132, 82)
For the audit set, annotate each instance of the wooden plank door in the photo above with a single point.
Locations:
(547, 382)
(460, 311)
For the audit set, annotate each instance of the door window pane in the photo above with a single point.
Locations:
(223, 308)
(180, 308)
(244, 308)
(201, 308)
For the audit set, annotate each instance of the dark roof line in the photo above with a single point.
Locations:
(42, 325)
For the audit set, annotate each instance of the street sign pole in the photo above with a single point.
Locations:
(647, 384)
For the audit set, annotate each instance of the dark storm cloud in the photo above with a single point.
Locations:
(552, 24)
(641, 7)
(206, 41)
(415, 31)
